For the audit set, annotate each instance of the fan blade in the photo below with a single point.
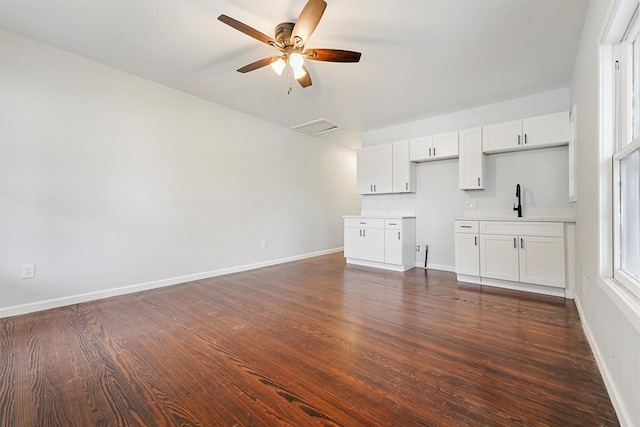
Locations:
(332, 55)
(305, 80)
(258, 64)
(251, 32)
(308, 21)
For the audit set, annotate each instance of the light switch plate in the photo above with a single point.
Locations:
(471, 204)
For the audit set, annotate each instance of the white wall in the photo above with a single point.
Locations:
(615, 341)
(542, 174)
(108, 180)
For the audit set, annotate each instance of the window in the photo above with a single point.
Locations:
(627, 216)
(625, 153)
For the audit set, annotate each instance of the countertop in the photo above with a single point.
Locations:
(379, 216)
(516, 219)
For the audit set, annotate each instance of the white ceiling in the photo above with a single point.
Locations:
(420, 58)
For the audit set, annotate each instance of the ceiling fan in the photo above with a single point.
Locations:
(290, 39)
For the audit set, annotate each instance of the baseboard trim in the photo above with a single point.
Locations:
(91, 296)
(440, 267)
(623, 417)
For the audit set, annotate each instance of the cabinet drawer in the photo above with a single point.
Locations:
(466, 227)
(548, 229)
(393, 224)
(364, 222)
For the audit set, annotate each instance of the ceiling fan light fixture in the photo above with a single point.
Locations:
(278, 66)
(298, 73)
(296, 61)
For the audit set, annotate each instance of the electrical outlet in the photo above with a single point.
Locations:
(585, 284)
(418, 248)
(471, 204)
(28, 271)
(265, 244)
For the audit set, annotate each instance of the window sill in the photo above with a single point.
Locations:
(626, 302)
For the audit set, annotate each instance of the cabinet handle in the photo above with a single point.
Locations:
(518, 139)
(398, 235)
(521, 243)
(360, 232)
(475, 240)
(525, 138)
(515, 244)
(374, 188)
(465, 226)
(363, 223)
(371, 188)
(478, 181)
(406, 185)
(393, 223)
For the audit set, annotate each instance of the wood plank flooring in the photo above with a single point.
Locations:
(313, 342)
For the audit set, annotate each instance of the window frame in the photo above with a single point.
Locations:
(626, 111)
(616, 121)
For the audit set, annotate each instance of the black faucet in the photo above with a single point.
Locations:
(519, 207)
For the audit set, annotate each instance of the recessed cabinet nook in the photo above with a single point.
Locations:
(519, 254)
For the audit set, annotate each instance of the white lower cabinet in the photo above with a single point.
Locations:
(364, 239)
(380, 242)
(499, 257)
(542, 261)
(519, 255)
(467, 248)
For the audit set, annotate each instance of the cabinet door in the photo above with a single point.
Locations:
(419, 148)
(471, 165)
(547, 130)
(499, 257)
(365, 170)
(353, 243)
(467, 254)
(374, 244)
(445, 146)
(383, 168)
(502, 136)
(542, 261)
(403, 170)
(393, 247)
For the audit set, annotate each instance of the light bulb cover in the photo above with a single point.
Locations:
(299, 72)
(296, 61)
(278, 66)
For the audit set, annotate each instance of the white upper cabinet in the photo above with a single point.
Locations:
(502, 136)
(420, 148)
(404, 171)
(544, 131)
(534, 132)
(445, 145)
(471, 167)
(436, 147)
(365, 175)
(375, 169)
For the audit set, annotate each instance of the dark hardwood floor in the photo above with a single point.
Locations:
(312, 342)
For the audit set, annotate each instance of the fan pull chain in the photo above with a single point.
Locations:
(290, 80)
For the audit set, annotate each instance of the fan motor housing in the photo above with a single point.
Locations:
(283, 33)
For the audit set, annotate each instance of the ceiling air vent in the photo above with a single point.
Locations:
(316, 127)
